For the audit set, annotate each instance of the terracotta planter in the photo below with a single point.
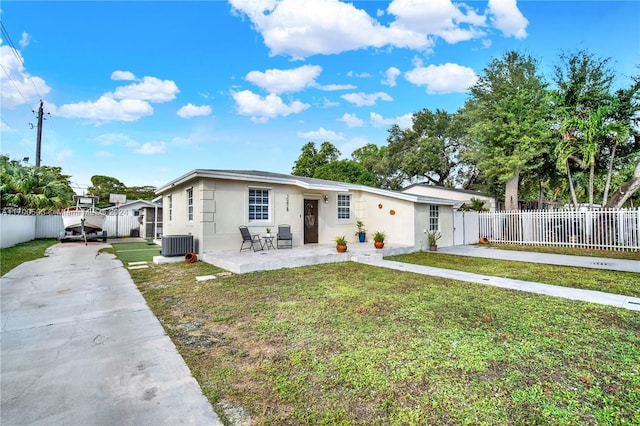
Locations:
(341, 248)
(433, 248)
(483, 240)
(378, 244)
(190, 258)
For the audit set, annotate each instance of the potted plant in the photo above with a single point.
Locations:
(268, 232)
(362, 233)
(341, 244)
(378, 239)
(433, 237)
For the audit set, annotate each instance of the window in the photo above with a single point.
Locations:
(258, 204)
(170, 202)
(190, 204)
(344, 206)
(434, 218)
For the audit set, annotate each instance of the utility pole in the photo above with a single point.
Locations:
(39, 139)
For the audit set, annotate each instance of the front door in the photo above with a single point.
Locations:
(310, 221)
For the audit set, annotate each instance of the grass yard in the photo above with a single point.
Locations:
(357, 344)
(574, 251)
(11, 257)
(626, 283)
(136, 251)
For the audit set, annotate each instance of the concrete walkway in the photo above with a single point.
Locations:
(550, 259)
(79, 346)
(620, 301)
(626, 302)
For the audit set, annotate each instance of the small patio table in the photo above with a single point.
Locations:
(268, 242)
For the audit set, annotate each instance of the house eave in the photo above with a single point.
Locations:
(308, 184)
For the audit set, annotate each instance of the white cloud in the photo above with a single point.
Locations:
(262, 109)
(404, 121)
(64, 154)
(25, 39)
(122, 75)
(108, 139)
(191, 110)
(442, 79)
(150, 148)
(321, 134)
(304, 28)
(391, 75)
(452, 22)
(107, 109)
(150, 89)
(351, 120)
(358, 75)
(285, 81)
(335, 87)
(326, 103)
(508, 18)
(292, 80)
(364, 99)
(104, 154)
(17, 86)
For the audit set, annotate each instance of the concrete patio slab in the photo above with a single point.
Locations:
(309, 254)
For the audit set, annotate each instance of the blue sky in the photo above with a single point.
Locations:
(145, 91)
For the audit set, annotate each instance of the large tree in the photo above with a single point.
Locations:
(386, 171)
(511, 131)
(103, 186)
(624, 148)
(345, 171)
(311, 158)
(582, 104)
(30, 187)
(428, 149)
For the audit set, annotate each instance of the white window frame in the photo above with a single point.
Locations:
(343, 209)
(262, 205)
(190, 204)
(434, 217)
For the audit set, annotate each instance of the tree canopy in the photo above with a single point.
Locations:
(103, 186)
(31, 187)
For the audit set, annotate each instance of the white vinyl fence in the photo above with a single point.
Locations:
(27, 226)
(611, 229)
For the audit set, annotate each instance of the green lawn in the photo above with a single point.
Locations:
(627, 283)
(574, 251)
(136, 252)
(11, 257)
(356, 344)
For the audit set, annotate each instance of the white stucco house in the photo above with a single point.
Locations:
(212, 204)
(461, 196)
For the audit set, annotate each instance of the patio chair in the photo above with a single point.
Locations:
(284, 234)
(247, 238)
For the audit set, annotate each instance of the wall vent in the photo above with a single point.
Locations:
(176, 245)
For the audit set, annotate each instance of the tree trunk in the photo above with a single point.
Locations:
(592, 172)
(511, 192)
(626, 191)
(574, 199)
(607, 186)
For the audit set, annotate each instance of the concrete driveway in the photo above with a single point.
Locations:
(79, 346)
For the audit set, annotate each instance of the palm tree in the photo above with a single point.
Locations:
(30, 187)
(589, 130)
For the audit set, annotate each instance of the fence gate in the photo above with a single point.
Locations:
(458, 228)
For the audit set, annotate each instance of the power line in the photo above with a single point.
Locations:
(5, 35)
